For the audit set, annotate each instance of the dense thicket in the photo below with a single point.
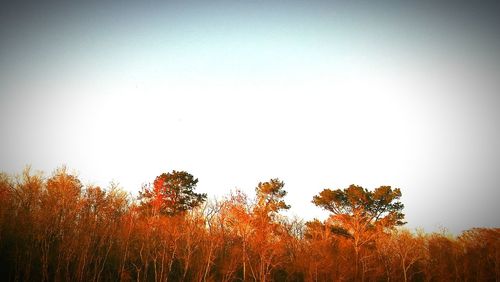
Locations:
(55, 229)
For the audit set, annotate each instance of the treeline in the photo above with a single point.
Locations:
(55, 229)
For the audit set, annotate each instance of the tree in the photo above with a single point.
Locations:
(270, 197)
(268, 237)
(408, 249)
(237, 218)
(481, 249)
(323, 251)
(443, 251)
(360, 212)
(171, 194)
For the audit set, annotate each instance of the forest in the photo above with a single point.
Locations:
(53, 228)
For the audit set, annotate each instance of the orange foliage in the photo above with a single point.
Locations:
(56, 229)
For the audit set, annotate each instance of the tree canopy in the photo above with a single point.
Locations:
(171, 193)
(358, 213)
(270, 196)
(381, 206)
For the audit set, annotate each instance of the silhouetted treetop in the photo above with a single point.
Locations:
(172, 193)
(270, 196)
(380, 205)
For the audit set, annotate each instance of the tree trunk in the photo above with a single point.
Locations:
(404, 271)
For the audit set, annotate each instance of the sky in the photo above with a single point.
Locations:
(320, 94)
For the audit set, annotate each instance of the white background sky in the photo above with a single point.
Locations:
(321, 95)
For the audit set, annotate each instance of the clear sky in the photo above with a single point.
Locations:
(320, 94)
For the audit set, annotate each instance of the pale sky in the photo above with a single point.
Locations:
(321, 94)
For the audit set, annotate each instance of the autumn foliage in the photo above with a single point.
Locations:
(56, 229)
